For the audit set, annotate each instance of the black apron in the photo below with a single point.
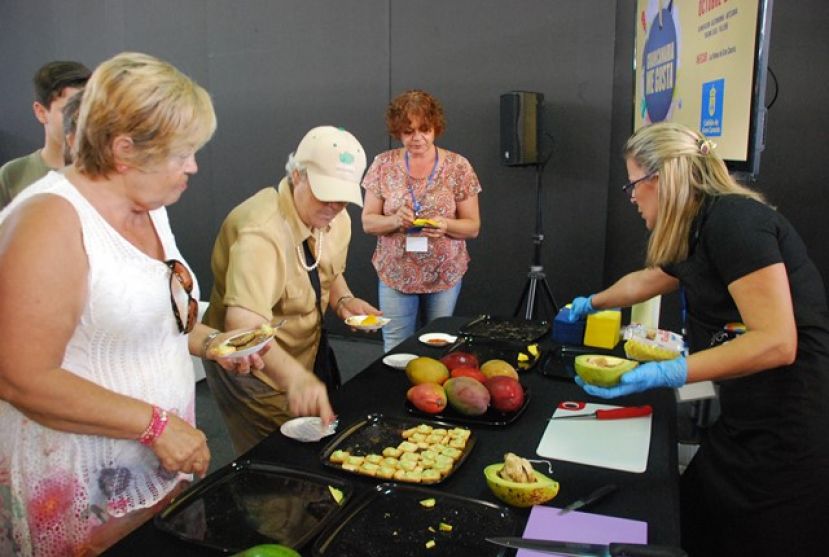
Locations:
(325, 363)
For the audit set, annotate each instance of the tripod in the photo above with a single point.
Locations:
(536, 277)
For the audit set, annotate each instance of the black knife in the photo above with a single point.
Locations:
(577, 549)
(590, 499)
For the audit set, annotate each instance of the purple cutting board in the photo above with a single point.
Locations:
(546, 524)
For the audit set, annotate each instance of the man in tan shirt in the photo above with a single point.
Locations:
(262, 273)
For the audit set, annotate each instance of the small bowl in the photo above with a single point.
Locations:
(520, 494)
(437, 339)
(398, 361)
(601, 370)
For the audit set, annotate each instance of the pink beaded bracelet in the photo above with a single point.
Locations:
(156, 427)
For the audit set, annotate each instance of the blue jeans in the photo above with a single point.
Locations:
(403, 310)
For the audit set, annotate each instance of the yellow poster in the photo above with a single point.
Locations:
(695, 65)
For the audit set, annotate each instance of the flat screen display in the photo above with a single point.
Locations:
(703, 63)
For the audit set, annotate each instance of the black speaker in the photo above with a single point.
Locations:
(521, 127)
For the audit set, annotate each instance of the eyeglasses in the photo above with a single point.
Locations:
(628, 188)
(181, 286)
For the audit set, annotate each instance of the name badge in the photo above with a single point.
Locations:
(417, 244)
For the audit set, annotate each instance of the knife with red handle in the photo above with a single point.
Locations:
(612, 413)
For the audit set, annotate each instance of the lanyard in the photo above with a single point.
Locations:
(415, 203)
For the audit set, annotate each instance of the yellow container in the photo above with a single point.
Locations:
(602, 329)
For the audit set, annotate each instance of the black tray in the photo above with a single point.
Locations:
(249, 503)
(389, 520)
(488, 350)
(511, 330)
(491, 417)
(559, 362)
(376, 431)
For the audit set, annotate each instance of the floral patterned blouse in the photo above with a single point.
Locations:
(446, 261)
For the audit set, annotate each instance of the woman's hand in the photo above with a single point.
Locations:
(307, 396)
(182, 448)
(580, 308)
(650, 375)
(404, 217)
(438, 230)
(242, 365)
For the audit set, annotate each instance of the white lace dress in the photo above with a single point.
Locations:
(56, 487)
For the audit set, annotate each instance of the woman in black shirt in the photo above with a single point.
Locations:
(759, 484)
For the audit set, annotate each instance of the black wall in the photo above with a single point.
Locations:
(278, 68)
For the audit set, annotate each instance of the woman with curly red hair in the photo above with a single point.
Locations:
(422, 204)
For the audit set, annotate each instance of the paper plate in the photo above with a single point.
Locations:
(307, 429)
(398, 361)
(437, 339)
(260, 333)
(356, 321)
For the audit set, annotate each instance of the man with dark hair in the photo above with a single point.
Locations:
(70, 125)
(54, 83)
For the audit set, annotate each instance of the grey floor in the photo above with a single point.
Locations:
(352, 356)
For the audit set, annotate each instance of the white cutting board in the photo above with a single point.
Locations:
(618, 444)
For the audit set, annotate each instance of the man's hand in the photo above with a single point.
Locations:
(307, 396)
(356, 306)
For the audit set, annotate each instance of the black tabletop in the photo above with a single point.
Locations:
(652, 496)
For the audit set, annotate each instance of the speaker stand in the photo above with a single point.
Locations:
(536, 278)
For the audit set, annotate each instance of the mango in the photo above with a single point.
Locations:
(491, 368)
(267, 550)
(467, 396)
(427, 397)
(472, 372)
(506, 394)
(426, 370)
(458, 359)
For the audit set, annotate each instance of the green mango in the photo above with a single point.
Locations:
(267, 550)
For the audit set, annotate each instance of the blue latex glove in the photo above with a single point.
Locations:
(579, 308)
(668, 373)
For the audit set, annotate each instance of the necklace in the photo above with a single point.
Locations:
(416, 207)
(301, 255)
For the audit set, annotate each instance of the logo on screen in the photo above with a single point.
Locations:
(710, 122)
(659, 61)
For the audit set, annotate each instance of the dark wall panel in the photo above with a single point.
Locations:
(468, 53)
(277, 68)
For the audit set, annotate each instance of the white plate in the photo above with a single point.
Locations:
(307, 429)
(398, 361)
(256, 347)
(356, 322)
(437, 339)
(249, 350)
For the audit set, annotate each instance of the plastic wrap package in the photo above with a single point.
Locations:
(646, 345)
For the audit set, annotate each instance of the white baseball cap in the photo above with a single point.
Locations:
(335, 162)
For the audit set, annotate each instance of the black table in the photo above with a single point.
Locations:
(652, 496)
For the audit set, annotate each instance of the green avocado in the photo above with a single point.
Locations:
(603, 371)
(267, 550)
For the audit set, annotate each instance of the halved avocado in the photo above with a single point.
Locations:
(602, 371)
(520, 494)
